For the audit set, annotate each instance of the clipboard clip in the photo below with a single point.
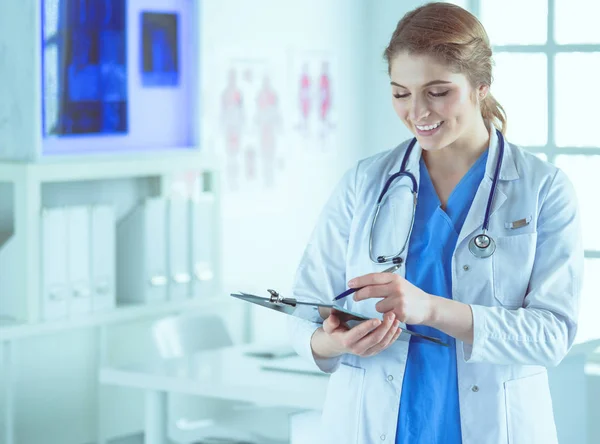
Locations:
(276, 298)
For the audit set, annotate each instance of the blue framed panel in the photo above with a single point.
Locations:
(159, 49)
(84, 67)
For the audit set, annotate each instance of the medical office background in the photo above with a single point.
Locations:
(263, 106)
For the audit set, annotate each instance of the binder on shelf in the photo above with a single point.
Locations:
(78, 260)
(103, 260)
(55, 287)
(178, 249)
(203, 234)
(142, 254)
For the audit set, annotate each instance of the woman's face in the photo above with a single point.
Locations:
(437, 105)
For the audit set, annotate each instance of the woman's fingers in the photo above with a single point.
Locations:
(372, 291)
(365, 339)
(392, 334)
(360, 331)
(331, 324)
(375, 336)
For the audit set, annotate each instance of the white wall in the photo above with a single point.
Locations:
(264, 233)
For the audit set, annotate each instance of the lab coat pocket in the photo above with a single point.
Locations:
(530, 419)
(342, 407)
(512, 264)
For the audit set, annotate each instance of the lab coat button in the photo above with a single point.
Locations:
(390, 378)
(475, 388)
(466, 267)
(382, 437)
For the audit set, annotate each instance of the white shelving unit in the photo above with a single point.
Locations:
(27, 181)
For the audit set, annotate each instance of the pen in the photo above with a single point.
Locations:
(354, 290)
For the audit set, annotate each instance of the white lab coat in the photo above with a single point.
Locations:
(525, 301)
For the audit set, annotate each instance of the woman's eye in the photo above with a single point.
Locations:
(442, 94)
(401, 96)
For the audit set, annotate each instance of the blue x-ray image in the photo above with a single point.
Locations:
(84, 66)
(160, 49)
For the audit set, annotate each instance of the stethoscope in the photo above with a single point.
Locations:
(481, 245)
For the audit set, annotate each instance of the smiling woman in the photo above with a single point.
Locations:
(493, 263)
(440, 84)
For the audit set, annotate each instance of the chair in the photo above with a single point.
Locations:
(205, 421)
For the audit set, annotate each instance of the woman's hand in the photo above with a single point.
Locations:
(410, 304)
(365, 339)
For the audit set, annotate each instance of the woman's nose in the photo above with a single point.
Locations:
(418, 110)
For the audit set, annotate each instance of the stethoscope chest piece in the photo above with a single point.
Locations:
(482, 246)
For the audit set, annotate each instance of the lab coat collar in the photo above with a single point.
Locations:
(508, 170)
(413, 161)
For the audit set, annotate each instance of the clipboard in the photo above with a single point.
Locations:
(317, 312)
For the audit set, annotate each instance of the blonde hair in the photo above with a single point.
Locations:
(456, 37)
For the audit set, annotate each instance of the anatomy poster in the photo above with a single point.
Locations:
(250, 123)
(313, 76)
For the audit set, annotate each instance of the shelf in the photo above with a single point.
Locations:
(108, 166)
(9, 330)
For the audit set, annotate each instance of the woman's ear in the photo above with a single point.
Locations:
(482, 92)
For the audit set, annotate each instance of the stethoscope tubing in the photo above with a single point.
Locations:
(483, 252)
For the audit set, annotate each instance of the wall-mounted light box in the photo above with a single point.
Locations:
(98, 76)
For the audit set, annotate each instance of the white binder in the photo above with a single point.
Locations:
(78, 260)
(203, 232)
(103, 260)
(142, 254)
(55, 288)
(178, 249)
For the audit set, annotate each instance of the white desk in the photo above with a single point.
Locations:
(225, 374)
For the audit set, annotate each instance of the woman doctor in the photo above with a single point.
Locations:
(492, 266)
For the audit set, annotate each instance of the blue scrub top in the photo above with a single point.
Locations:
(429, 409)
